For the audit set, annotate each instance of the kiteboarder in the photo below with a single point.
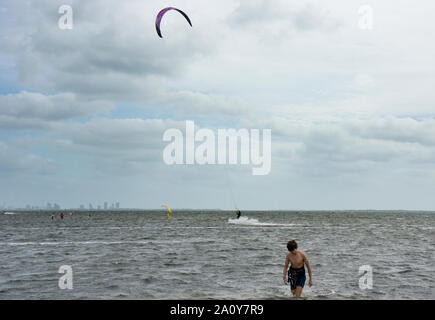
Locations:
(296, 273)
(238, 214)
(61, 216)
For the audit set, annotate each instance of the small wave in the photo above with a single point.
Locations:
(149, 280)
(68, 243)
(405, 271)
(254, 222)
(60, 243)
(9, 213)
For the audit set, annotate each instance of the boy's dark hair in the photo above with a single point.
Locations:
(292, 245)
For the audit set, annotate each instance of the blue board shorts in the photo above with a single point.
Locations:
(296, 277)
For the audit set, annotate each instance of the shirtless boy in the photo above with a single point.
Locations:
(296, 273)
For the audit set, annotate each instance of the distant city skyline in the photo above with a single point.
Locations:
(56, 206)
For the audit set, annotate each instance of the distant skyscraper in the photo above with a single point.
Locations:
(91, 207)
(56, 206)
(49, 206)
(117, 205)
(105, 205)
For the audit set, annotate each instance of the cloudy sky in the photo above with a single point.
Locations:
(83, 111)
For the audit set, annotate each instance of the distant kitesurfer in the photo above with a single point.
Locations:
(61, 215)
(238, 214)
(296, 273)
(52, 217)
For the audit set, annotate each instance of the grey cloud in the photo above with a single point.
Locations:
(350, 145)
(116, 133)
(29, 110)
(115, 143)
(401, 130)
(196, 103)
(13, 123)
(106, 46)
(18, 162)
(338, 146)
(29, 105)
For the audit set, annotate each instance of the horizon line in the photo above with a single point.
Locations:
(211, 209)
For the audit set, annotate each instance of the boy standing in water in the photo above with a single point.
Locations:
(296, 273)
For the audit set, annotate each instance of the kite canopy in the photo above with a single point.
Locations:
(162, 13)
(170, 212)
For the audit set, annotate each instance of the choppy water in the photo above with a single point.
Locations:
(210, 255)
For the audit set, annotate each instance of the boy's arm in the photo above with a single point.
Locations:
(284, 272)
(307, 263)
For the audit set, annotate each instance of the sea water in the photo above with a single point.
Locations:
(213, 255)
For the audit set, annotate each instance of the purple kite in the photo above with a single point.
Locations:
(162, 13)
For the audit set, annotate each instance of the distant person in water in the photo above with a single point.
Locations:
(61, 215)
(238, 214)
(296, 273)
(52, 217)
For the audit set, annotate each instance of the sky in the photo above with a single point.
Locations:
(83, 111)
